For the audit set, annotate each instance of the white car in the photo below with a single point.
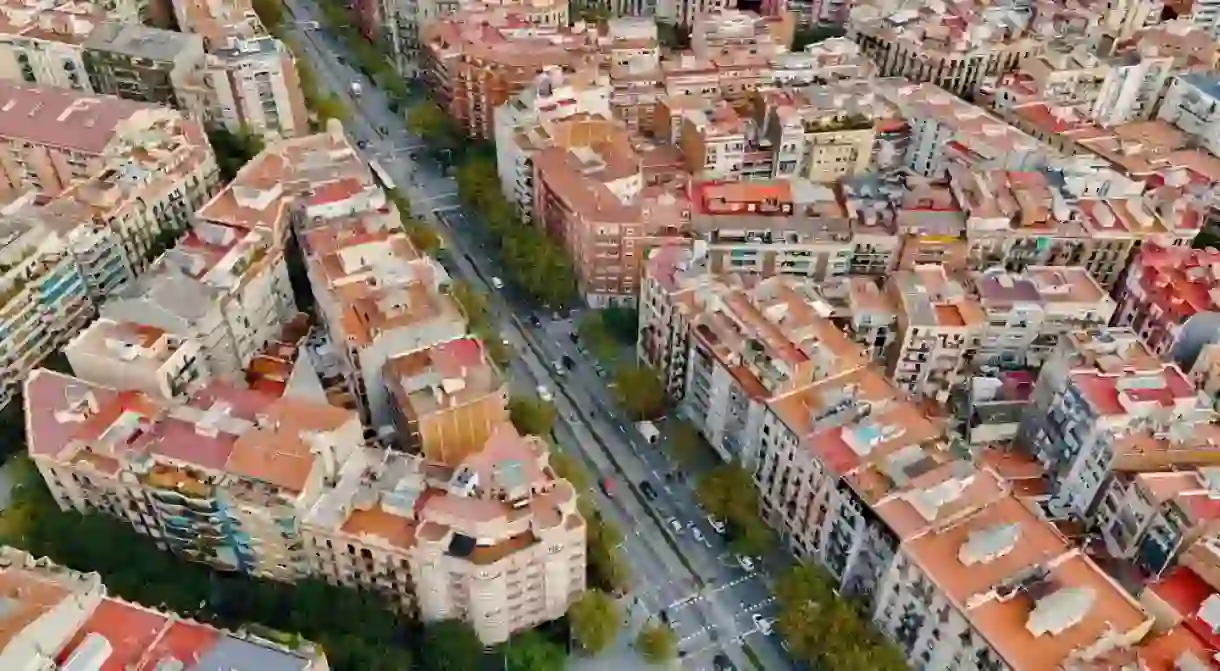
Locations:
(675, 525)
(545, 394)
(745, 563)
(697, 533)
(762, 623)
(497, 283)
(716, 524)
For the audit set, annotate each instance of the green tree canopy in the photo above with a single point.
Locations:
(567, 467)
(640, 391)
(270, 12)
(595, 621)
(729, 492)
(432, 124)
(473, 303)
(531, 651)
(596, 335)
(825, 631)
(531, 415)
(685, 444)
(657, 644)
(607, 568)
(234, 150)
(451, 645)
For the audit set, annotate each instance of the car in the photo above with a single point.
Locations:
(607, 486)
(676, 526)
(362, 144)
(648, 491)
(535, 320)
(545, 394)
(721, 662)
(568, 362)
(497, 283)
(745, 563)
(558, 366)
(574, 336)
(762, 623)
(383, 130)
(697, 533)
(716, 524)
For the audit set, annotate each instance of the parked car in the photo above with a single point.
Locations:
(745, 563)
(607, 486)
(545, 394)
(497, 283)
(568, 362)
(675, 526)
(762, 623)
(716, 524)
(558, 366)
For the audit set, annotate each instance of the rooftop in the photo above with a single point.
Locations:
(139, 41)
(443, 376)
(65, 119)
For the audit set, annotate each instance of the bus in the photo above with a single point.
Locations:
(382, 176)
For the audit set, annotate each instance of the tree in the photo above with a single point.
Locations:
(729, 492)
(640, 391)
(596, 335)
(606, 567)
(422, 236)
(621, 323)
(531, 651)
(825, 631)
(657, 644)
(270, 12)
(566, 467)
(685, 444)
(595, 621)
(532, 416)
(427, 120)
(331, 107)
(234, 150)
(451, 645)
(473, 303)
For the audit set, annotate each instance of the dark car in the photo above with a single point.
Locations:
(721, 662)
(568, 362)
(648, 490)
(535, 320)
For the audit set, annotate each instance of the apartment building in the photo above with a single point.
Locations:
(940, 327)
(62, 618)
(1001, 589)
(376, 295)
(1160, 518)
(747, 346)
(448, 399)
(790, 227)
(725, 32)
(54, 137)
(1094, 405)
(1192, 104)
(1164, 288)
(821, 132)
(712, 137)
(536, 119)
(631, 53)
(590, 198)
(831, 60)
(495, 540)
(145, 64)
(222, 475)
(922, 213)
(945, 129)
(43, 44)
(953, 47)
(137, 357)
(250, 77)
(476, 60)
(43, 297)
(1017, 219)
(1027, 312)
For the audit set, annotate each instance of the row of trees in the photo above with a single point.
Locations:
(825, 631)
(728, 492)
(533, 261)
(234, 150)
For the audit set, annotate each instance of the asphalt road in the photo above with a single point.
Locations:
(709, 598)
